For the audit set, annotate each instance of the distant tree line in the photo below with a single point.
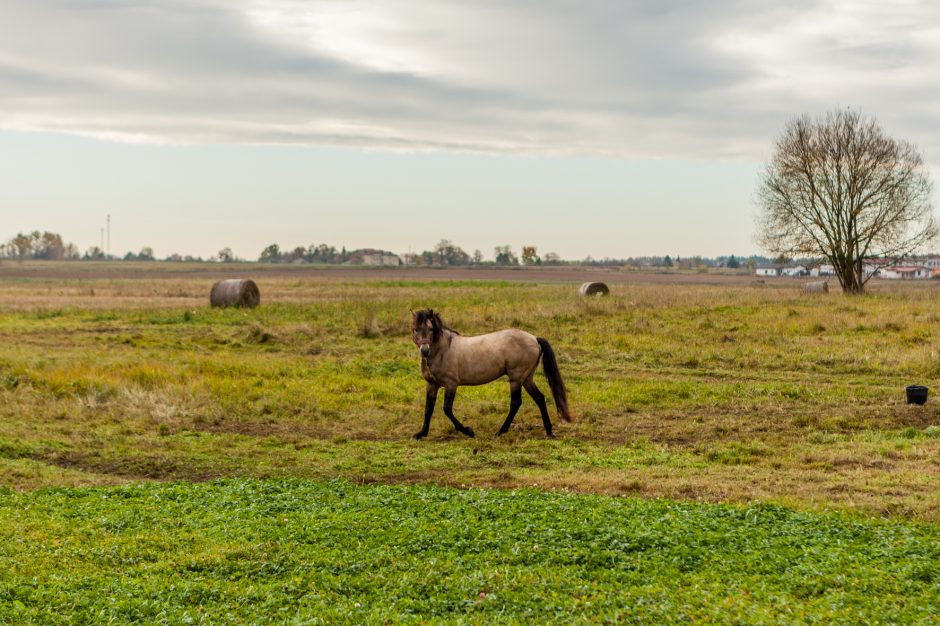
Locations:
(445, 254)
(37, 245)
(52, 247)
(145, 254)
(314, 253)
(679, 262)
(448, 254)
(48, 245)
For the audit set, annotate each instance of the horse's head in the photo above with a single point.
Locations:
(426, 327)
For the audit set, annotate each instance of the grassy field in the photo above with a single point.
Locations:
(731, 393)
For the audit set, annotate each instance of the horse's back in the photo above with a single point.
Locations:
(510, 340)
(484, 358)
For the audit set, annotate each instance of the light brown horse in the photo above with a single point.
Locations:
(449, 360)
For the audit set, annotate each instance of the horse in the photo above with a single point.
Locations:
(448, 360)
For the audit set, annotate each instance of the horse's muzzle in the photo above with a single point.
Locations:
(425, 350)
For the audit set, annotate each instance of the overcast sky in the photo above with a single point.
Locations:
(604, 128)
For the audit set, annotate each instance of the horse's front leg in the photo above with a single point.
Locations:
(449, 395)
(430, 399)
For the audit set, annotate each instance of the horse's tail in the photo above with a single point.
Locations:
(550, 367)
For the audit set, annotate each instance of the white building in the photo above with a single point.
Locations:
(905, 272)
(768, 270)
(381, 259)
(781, 270)
(921, 268)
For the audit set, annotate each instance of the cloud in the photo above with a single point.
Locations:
(628, 79)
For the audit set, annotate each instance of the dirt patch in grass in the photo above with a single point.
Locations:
(862, 463)
(134, 467)
(297, 430)
(254, 428)
(695, 425)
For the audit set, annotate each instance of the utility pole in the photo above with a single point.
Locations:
(109, 235)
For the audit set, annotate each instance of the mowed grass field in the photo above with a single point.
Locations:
(763, 463)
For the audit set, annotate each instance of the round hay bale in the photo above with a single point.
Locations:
(819, 286)
(237, 292)
(594, 289)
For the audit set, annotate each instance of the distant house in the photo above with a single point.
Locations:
(781, 270)
(905, 272)
(932, 261)
(371, 256)
(910, 268)
(768, 270)
(381, 259)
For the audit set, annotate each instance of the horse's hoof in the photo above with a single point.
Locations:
(500, 433)
(468, 432)
(419, 436)
(550, 436)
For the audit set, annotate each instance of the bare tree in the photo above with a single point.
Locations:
(838, 187)
(505, 256)
(446, 253)
(94, 253)
(530, 256)
(21, 245)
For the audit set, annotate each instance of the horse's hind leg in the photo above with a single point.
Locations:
(536, 394)
(515, 401)
(449, 396)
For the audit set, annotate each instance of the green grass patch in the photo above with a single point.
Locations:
(293, 551)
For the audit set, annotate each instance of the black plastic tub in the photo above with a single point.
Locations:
(916, 394)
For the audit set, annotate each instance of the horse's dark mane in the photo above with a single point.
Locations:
(437, 323)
